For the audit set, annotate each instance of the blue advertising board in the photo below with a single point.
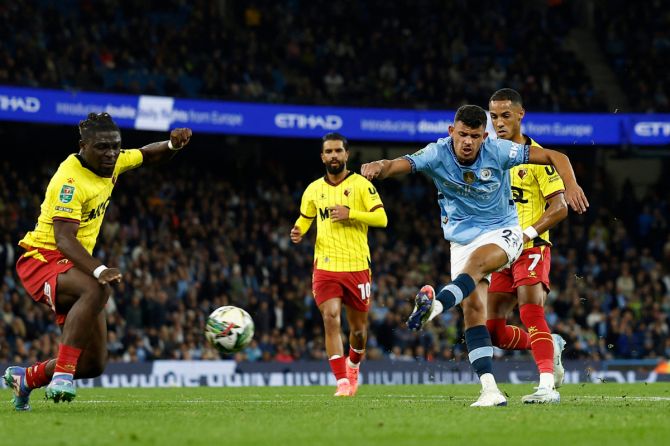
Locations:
(162, 113)
(228, 373)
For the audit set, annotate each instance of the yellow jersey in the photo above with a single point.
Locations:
(532, 186)
(77, 194)
(340, 246)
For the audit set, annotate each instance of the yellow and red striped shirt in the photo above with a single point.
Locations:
(340, 246)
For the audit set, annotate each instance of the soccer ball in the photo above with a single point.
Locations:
(229, 329)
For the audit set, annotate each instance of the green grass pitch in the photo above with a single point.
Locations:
(594, 414)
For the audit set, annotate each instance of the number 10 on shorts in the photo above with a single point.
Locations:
(365, 290)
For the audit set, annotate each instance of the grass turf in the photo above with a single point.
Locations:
(603, 414)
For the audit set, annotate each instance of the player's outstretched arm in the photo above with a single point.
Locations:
(386, 168)
(164, 150)
(574, 195)
(65, 233)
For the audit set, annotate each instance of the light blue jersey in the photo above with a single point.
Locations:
(473, 199)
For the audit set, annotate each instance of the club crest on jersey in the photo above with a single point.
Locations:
(522, 173)
(469, 176)
(485, 174)
(66, 193)
(347, 191)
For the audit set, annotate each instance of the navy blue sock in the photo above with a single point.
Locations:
(480, 350)
(460, 288)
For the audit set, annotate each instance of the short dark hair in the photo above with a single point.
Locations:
(507, 94)
(471, 115)
(96, 122)
(334, 136)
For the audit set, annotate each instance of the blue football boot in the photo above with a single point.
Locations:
(15, 378)
(61, 388)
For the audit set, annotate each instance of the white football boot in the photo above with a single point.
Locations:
(559, 371)
(542, 395)
(490, 398)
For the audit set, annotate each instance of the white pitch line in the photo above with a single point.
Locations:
(623, 398)
(457, 399)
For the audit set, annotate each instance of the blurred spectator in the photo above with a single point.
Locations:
(426, 53)
(636, 39)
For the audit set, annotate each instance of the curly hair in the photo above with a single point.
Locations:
(96, 122)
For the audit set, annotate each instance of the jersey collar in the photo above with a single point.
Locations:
(84, 164)
(325, 178)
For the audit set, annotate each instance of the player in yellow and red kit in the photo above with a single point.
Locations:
(344, 205)
(57, 267)
(538, 194)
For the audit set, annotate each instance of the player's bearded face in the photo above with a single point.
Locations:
(334, 156)
(101, 151)
(467, 141)
(335, 167)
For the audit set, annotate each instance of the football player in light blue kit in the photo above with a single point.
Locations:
(471, 174)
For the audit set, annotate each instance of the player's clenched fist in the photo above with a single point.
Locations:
(371, 170)
(296, 234)
(180, 137)
(110, 275)
(338, 213)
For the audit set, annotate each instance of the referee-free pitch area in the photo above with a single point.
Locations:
(601, 414)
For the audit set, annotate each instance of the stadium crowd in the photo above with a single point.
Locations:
(370, 53)
(202, 235)
(637, 44)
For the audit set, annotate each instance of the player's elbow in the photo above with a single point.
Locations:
(561, 210)
(62, 243)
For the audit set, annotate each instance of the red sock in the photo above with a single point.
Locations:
(36, 375)
(354, 356)
(541, 342)
(508, 337)
(67, 359)
(339, 367)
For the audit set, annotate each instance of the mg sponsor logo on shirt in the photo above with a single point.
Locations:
(305, 121)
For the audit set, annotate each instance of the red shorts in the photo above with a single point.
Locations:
(352, 287)
(530, 268)
(38, 269)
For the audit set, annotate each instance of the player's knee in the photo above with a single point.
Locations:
(331, 319)
(475, 269)
(359, 333)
